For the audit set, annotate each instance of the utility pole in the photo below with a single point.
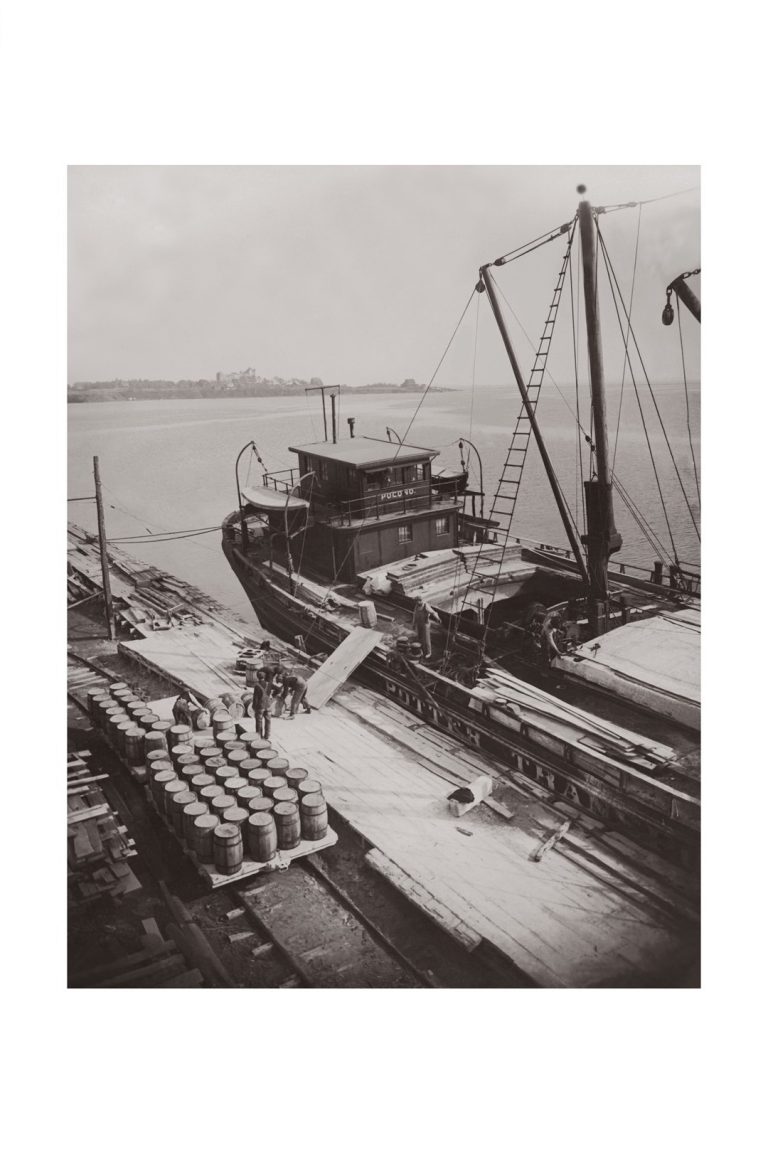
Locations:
(103, 551)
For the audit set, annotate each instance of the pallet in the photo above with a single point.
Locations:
(250, 868)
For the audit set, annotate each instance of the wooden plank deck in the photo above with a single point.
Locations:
(556, 921)
(340, 665)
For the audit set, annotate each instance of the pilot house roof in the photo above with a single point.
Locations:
(367, 452)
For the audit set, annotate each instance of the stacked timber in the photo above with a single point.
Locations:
(98, 845)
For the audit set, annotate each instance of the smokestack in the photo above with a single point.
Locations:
(351, 422)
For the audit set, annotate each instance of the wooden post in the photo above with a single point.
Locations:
(103, 551)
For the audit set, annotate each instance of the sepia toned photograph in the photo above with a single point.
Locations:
(383, 577)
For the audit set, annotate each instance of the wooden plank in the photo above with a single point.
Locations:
(419, 896)
(133, 960)
(339, 666)
(167, 967)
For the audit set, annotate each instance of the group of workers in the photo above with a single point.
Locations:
(273, 684)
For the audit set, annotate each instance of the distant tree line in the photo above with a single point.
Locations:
(243, 384)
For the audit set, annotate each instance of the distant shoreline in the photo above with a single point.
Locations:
(105, 393)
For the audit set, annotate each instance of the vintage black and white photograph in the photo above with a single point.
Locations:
(383, 576)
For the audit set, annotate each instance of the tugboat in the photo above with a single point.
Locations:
(581, 672)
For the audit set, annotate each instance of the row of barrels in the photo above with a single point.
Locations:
(229, 803)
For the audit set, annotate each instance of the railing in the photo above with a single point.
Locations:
(283, 481)
(374, 507)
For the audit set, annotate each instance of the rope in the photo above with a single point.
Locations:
(474, 364)
(642, 418)
(648, 382)
(688, 407)
(626, 342)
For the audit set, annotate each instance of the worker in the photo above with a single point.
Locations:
(269, 672)
(261, 706)
(423, 615)
(181, 709)
(298, 686)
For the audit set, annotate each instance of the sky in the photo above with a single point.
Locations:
(356, 274)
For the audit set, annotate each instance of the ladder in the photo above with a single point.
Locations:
(508, 487)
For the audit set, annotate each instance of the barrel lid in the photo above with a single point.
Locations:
(286, 809)
(159, 755)
(257, 743)
(248, 793)
(165, 777)
(296, 773)
(265, 754)
(158, 765)
(207, 820)
(161, 726)
(313, 800)
(248, 764)
(196, 808)
(258, 775)
(216, 762)
(307, 786)
(179, 749)
(118, 684)
(124, 725)
(237, 782)
(261, 804)
(276, 764)
(208, 750)
(211, 791)
(222, 801)
(202, 780)
(261, 819)
(181, 730)
(134, 730)
(183, 798)
(147, 718)
(236, 815)
(235, 745)
(96, 691)
(187, 759)
(274, 782)
(226, 772)
(226, 831)
(221, 714)
(175, 785)
(285, 795)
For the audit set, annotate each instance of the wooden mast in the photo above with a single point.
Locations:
(601, 539)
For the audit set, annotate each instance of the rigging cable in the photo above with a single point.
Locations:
(645, 428)
(626, 341)
(688, 407)
(612, 275)
(657, 548)
(474, 364)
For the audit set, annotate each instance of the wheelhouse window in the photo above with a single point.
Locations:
(376, 480)
(404, 533)
(421, 471)
(441, 526)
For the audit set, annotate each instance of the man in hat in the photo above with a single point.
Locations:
(261, 705)
(423, 615)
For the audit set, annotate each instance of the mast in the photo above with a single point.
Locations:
(487, 284)
(602, 538)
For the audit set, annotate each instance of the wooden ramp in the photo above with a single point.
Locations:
(341, 664)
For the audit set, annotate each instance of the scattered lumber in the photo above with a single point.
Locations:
(550, 843)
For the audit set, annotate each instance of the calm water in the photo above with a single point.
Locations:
(170, 464)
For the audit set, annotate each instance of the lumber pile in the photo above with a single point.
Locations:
(98, 845)
(158, 963)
